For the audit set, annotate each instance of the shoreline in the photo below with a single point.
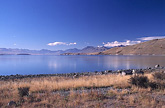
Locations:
(157, 68)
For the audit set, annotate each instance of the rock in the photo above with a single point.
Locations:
(123, 73)
(2, 78)
(11, 103)
(107, 71)
(157, 66)
(75, 76)
(137, 72)
(126, 72)
(118, 71)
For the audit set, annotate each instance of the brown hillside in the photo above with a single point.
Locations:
(153, 47)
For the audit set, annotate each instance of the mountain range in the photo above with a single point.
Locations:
(152, 47)
(88, 49)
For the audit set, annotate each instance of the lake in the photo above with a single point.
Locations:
(37, 64)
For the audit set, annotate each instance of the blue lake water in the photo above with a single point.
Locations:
(34, 64)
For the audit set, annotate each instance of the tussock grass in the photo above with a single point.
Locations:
(9, 89)
(41, 92)
(144, 100)
(54, 83)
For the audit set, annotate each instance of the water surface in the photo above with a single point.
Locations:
(33, 64)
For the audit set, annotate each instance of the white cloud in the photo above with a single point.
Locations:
(14, 44)
(72, 43)
(99, 46)
(56, 43)
(61, 43)
(116, 43)
(151, 38)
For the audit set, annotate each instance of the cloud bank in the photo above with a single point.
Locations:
(151, 38)
(61, 43)
(116, 43)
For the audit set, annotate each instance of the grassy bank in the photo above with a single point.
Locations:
(79, 92)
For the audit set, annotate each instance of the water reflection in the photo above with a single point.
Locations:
(67, 64)
(92, 63)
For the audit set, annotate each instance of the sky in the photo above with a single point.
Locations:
(65, 24)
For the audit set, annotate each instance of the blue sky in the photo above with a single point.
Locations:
(64, 24)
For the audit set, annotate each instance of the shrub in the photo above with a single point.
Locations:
(153, 85)
(159, 75)
(23, 91)
(140, 81)
(159, 79)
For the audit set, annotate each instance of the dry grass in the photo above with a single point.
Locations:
(73, 100)
(54, 83)
(41, 94)
(144, 100)
(115, 92)
(9, 89)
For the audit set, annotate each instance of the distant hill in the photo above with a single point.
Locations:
(84, 51)
(4, 51)
(90, 49)
(152, 47)
(74, 50)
